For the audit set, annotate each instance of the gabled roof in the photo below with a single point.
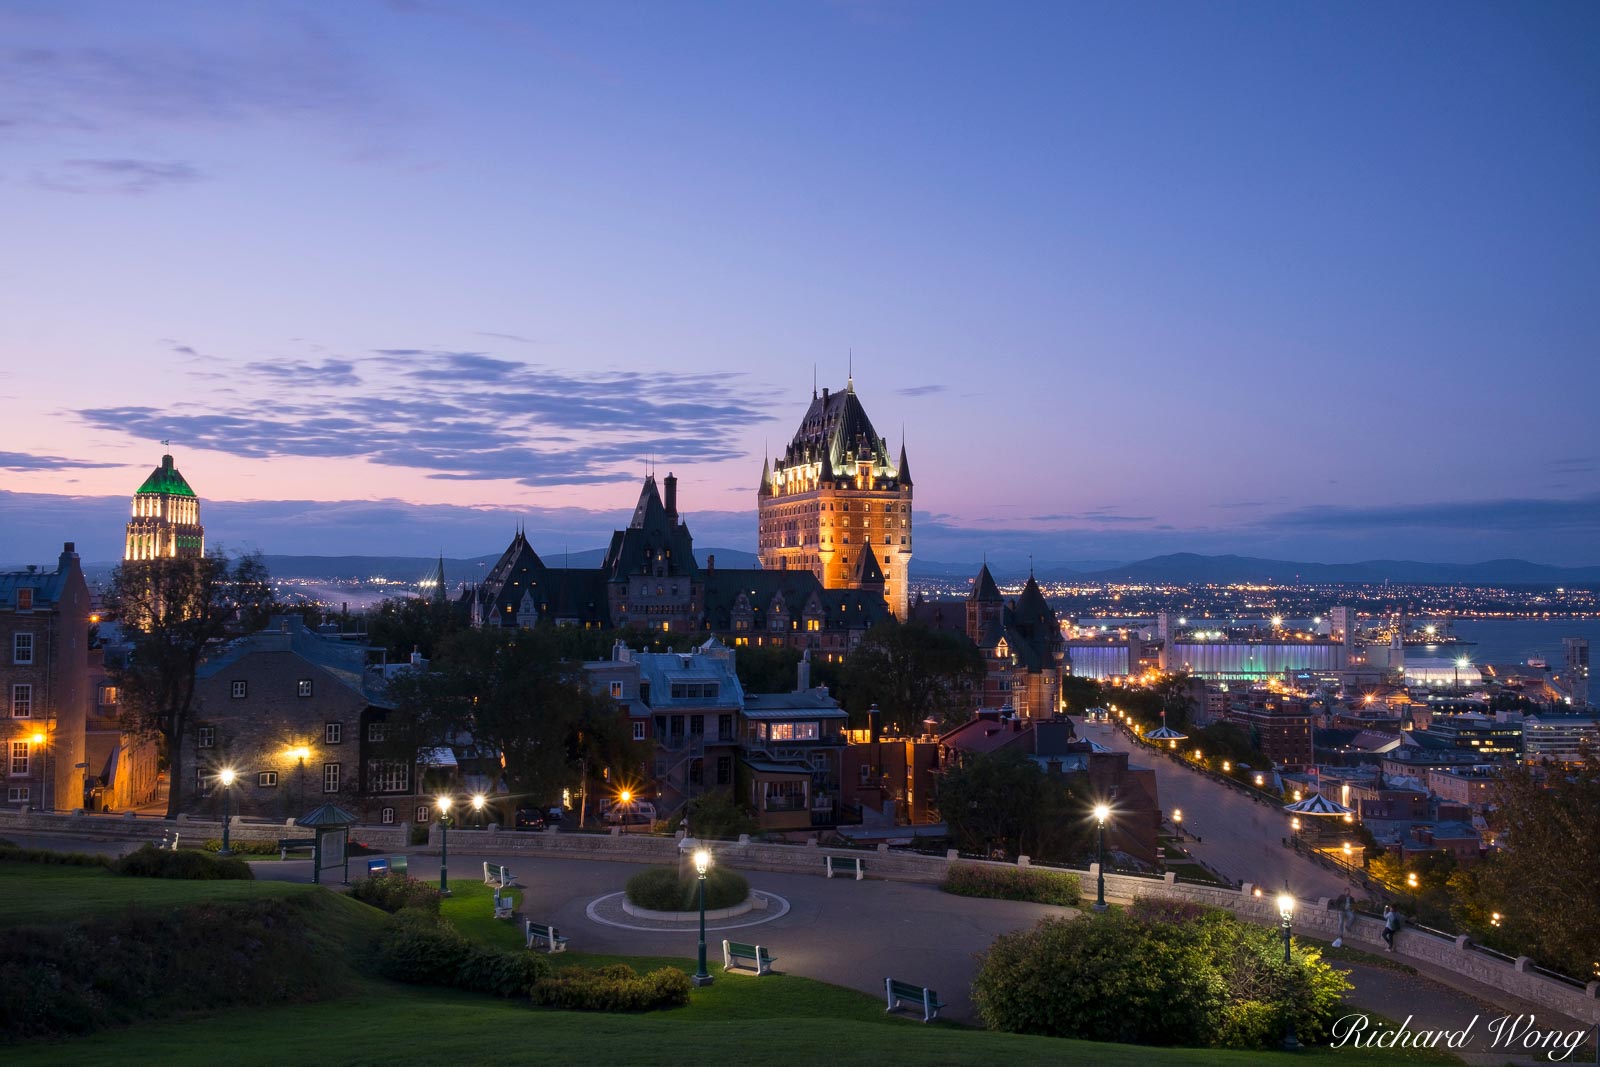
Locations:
(166, 480)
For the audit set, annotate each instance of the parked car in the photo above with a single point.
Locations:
(540, 818)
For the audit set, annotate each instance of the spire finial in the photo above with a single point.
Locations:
(850, 368)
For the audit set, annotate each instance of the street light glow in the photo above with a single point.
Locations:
(443, 802)
(1101, 812)
(626, 796)
(702, 860)
(226, 776)
(478, 801)
(1286, 906)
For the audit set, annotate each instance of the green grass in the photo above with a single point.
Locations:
(39, 892)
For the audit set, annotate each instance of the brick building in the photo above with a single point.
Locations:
(1279, 726)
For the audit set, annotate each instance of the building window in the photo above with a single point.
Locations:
(724, 770)
(330, 777)
(17, 794)
(638, 730)
(24, 599)
(22, 702)
(616, 690)
(333, 733)
(793, 731)
(240, 690)
(424, 815)
(386, 816)
(22, 648)
(205, 737)
(389, 776)
(108, 696)
(267, 778)
(375, 731)
(19, 757)
(303, 687)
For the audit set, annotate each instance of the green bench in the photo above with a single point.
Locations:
(548, 934)
(498, 874)
(899, 993)
(505, 904)
(757, 956)
(845, 865)
(287, 845)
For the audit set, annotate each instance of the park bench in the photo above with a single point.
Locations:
(505, 903)
(287, 845)
(899, 993)
(169, 840)
(758, 957)
(548, 934)
(845, 865)
(498, 874)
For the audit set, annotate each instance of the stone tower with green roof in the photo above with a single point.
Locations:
(166, 518)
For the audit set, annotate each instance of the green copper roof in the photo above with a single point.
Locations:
(165, 479)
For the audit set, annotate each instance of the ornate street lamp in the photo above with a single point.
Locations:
(702, 863)
(1101, 812)
(1286, 912)
(1177, 822)
(443, 803)
(226, 777)
(478, 800)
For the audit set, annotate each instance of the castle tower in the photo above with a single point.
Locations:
(166, 518)
(833, 493)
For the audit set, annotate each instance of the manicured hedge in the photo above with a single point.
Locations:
(660, 889)
(1013, 883)
(616, 987)
(17, 854)
(392, 892)
(148, 861)
(421, 948)
(242, 848)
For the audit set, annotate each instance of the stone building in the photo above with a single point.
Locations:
(1022, 647)
(44, 683)
(166, 518)
(834, 503)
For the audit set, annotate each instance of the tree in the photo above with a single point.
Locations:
(912, 672)
(403, 625)
(1005, 802)
(1081, 694)
(172, 610)
(768, 668)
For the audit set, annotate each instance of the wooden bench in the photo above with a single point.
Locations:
(505, 902)
(169, 841)
(899, 993)
(845, 865)
(548, 934)
(287, 845)
(498, 874)
(758, 957)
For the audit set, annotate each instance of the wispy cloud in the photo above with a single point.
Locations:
(920, 390)
(27, 461)
(127, 177)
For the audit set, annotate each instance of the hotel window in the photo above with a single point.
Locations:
(205, 737)
(19, 757)
(240, 690)
(375, 731)
(303, 687)
(333, 733)
(22, 648)
(330, 777)
(267, 778)
(638, 730)
(386, 816)
(22, 702)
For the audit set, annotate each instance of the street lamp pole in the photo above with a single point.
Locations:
(226, 776)
(444, 845)
(702, 863)
(1286, 912)
(1100, 813)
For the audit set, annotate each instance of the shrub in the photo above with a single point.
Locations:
(613, 988)
(718, 816)
(660, 889)
(419, 834)
(148, 861)
(243, 848)
(1144, 977)
(421, 948)
(500, 971)
(392, 892)
(17, 854)
(1013, 883)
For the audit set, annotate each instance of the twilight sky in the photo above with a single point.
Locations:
(1314, 281)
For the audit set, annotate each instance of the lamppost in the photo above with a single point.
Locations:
(1177, 822)
(1286, 911)
(1462, 662)
(478, 800)
(302, 754)
(702, 863)
(1101, 811)
(226, 776)
(444, 845)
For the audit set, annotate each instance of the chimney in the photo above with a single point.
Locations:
(803, 672)
(711, 563)
(671, 484)
(416, 656)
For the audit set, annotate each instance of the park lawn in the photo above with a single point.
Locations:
(43, 892)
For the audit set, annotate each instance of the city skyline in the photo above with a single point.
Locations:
(1131, 281)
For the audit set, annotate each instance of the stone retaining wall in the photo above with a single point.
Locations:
(128, 826)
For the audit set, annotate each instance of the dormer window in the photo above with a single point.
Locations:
(24, 599)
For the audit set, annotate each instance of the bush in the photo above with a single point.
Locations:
(148, 861)
(660, 889)
(718, 816)
(17, 854)
(421, 948)
(243, 848)
(1144, 977)
(392, 892)
(1013, 883)
(419, 834)
(500, 971)
(614, 988)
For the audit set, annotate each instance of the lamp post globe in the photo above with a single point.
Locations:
(1101, 813)
(478, 801)
(702, 863)
(1286, 913)
(443, 803)
(226, 777)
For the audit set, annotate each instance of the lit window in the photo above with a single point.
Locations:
(25, 599)
(616, 690)
(108, 695)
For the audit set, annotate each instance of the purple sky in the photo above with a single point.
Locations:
(1311, 282)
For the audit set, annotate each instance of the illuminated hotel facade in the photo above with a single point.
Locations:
(165, 522)
(834, 503)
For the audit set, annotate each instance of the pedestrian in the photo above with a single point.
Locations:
(1391, 925)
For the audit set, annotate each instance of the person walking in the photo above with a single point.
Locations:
(1391, 925)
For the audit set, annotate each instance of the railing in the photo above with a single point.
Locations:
(785, 804)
